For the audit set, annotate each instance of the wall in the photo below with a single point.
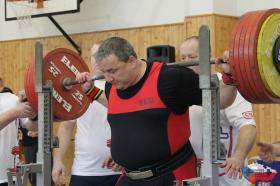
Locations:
(251, 5)
(100, 15)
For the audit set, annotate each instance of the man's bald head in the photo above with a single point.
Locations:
(189, 50)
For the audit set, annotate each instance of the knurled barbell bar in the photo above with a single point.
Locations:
(67, 82)
(254, 58)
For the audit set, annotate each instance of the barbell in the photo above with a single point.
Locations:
(254, 57)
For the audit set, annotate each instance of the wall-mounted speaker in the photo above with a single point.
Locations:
(162, 53)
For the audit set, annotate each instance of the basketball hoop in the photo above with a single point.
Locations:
(24, 21)
(23, 10)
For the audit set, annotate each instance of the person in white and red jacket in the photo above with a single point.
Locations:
(11, 110)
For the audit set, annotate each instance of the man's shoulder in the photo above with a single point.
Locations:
(240, 102)
(9, 96)
(8, 100)
(176, 72)
(7, 89)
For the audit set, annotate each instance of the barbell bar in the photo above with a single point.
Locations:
(68, 82)
(189, 63)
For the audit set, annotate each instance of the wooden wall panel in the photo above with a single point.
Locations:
(223, 29)
(193, 23)
(268, 124)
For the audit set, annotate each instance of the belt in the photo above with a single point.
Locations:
(175, 161)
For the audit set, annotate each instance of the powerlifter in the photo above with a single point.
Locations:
(148, 113)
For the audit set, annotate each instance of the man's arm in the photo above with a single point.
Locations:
(88, 88)
(246, 139)
(21, 110)
(239, 116)
(7, 117)
(64, 134)
(29, 124)
(227, 90)
(103, 100)
(227, 95)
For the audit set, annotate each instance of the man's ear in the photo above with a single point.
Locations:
(132, 60)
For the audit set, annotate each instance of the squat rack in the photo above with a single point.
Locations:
(46, 141)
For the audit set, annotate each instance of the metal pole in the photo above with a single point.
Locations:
(44, 120)
(210, 113)
(209, 169)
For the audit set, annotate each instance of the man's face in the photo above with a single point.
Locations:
(119, 73)
(189, 52)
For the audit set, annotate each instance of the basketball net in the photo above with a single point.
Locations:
(24, 9)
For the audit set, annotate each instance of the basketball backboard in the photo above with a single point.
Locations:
(15, 9)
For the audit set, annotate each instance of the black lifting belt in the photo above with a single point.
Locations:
(175, 161)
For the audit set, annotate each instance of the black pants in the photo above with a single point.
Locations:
(110, 180)
(163, 180)
(30, 153)
(3, 184)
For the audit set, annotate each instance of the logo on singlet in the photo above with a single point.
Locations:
(247, 115)
(146, 101)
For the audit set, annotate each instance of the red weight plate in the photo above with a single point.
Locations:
(242, 51)
(29, 86)
(235, 61)
(253, 57)
(251, 51)
(59, 64)
(254, 89)
(244, 71)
